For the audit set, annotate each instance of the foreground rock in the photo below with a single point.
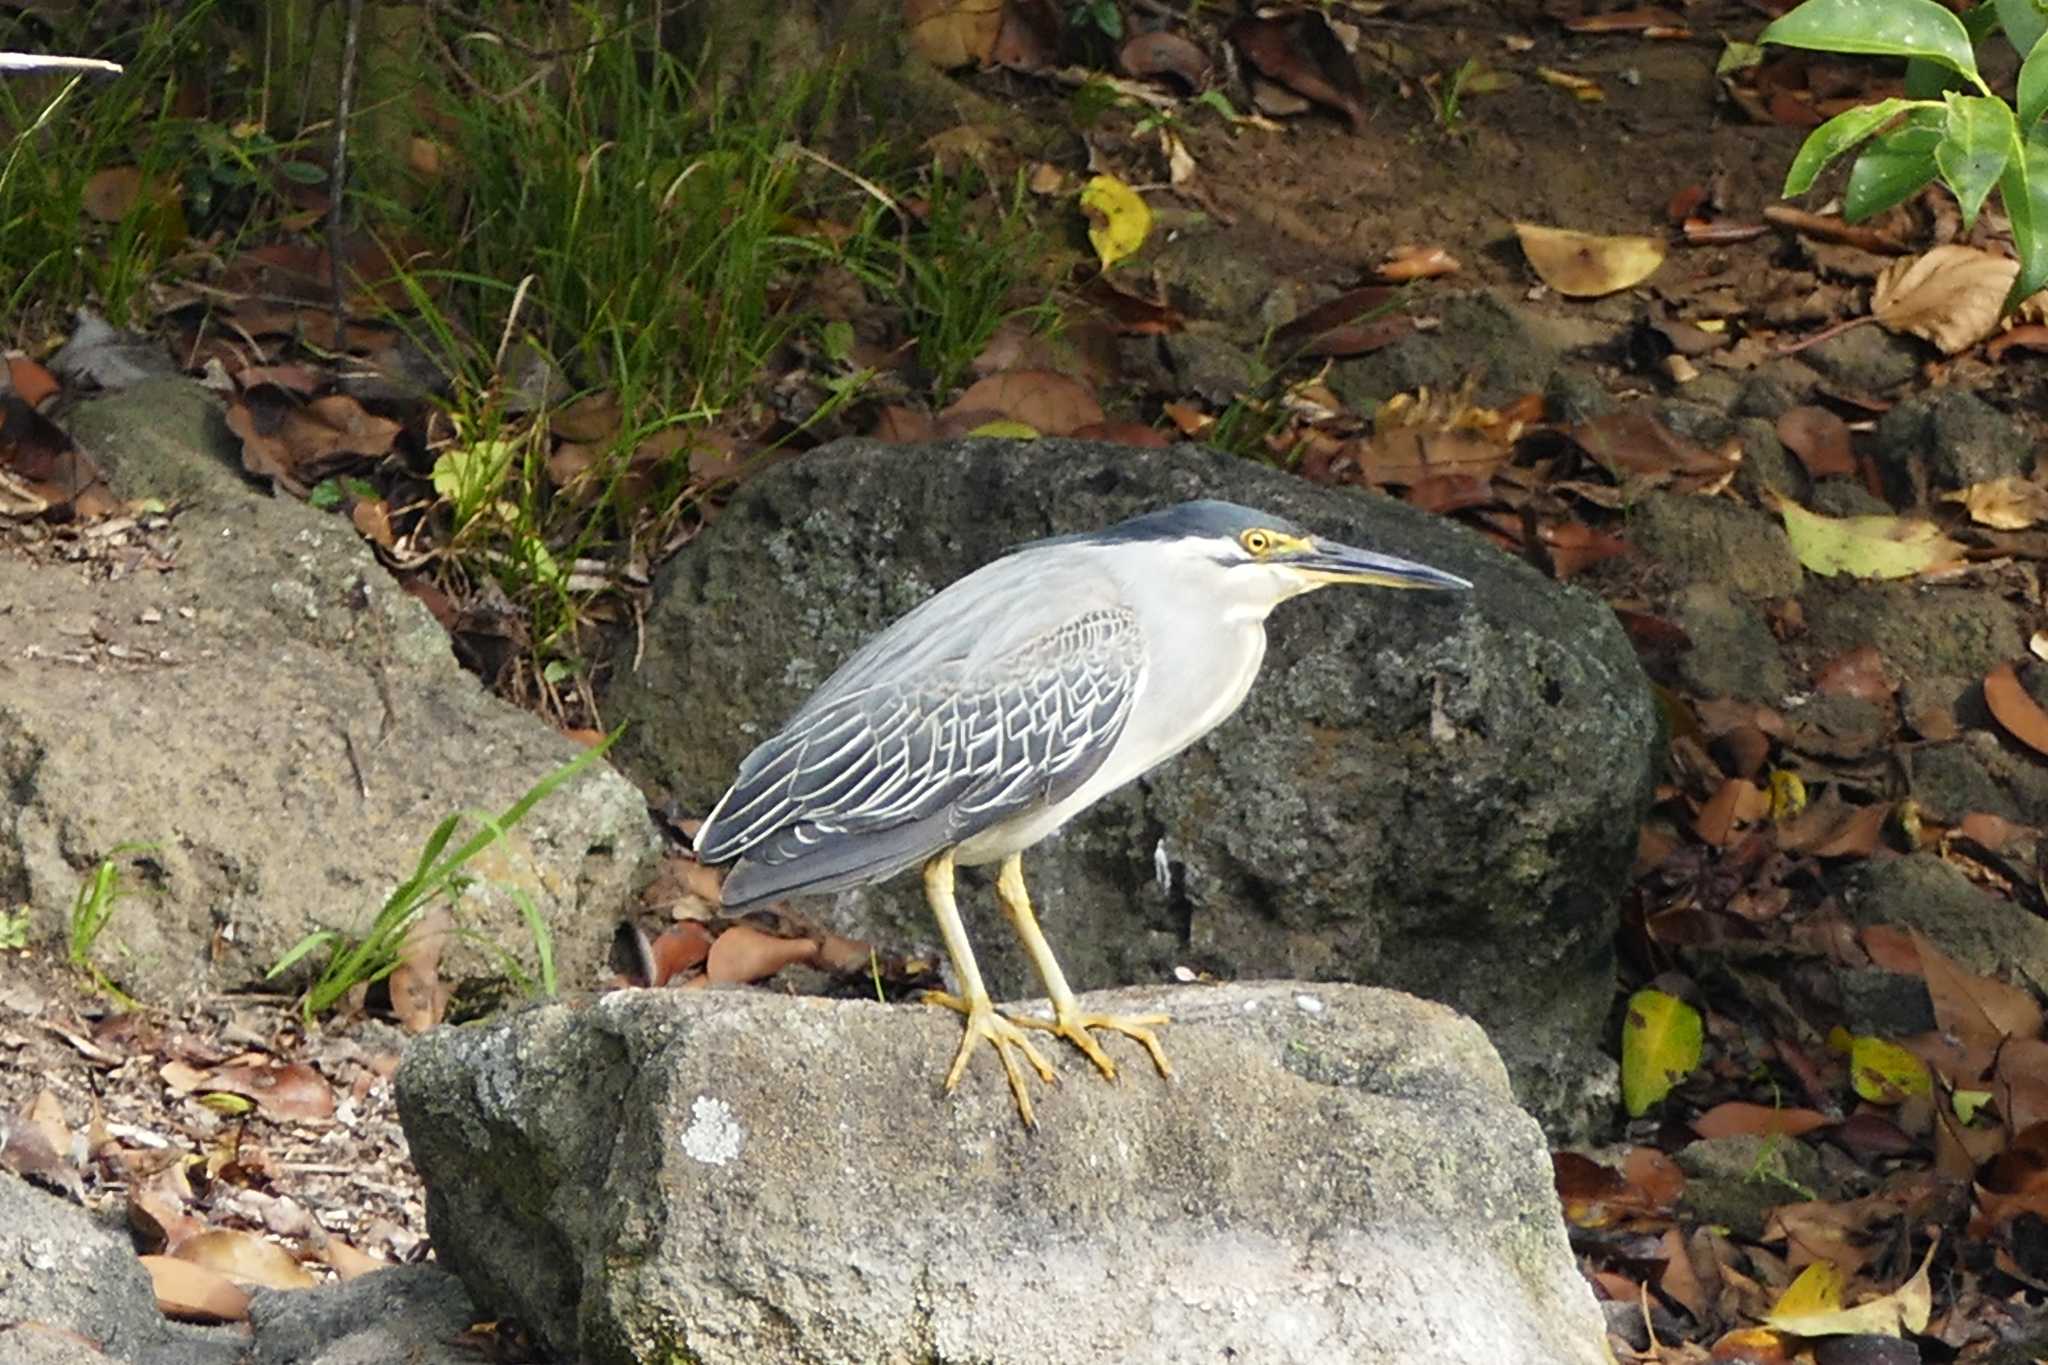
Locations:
(1431, 792)
(1337, 1173)
(251, 695)
(73, 1293)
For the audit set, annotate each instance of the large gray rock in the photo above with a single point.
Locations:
(72, 1291)
(1431, 791)
(280, 720)
(1337, 1173)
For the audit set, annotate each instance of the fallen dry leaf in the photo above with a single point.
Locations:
(953, 33)
(1301, 54)
(743, 955)
(194, 1293)
(2014, 708)
(1050, 403)
(1582, 265)
(246, 1259)
(1952, 296)
(1734, 1118)
(2008, 504)
(1820, 439)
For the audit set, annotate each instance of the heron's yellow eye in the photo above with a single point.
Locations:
(1257, 542)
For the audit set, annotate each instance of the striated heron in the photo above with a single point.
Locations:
(1005, 705)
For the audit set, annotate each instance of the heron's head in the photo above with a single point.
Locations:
(1254, 560)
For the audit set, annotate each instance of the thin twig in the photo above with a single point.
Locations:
(344, 97)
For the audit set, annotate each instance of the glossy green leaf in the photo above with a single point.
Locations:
(2033, 87)
(1880, 28)
(1894, 167)
(1978, 138)
(1660, 1043)
(2024, 188)
(1836, 136)
(1927, 80)
(2022, 21)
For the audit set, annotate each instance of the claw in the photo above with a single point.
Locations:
(984, 1023)
(1077, 1028)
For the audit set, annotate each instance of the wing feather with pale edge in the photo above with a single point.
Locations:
(876, 780)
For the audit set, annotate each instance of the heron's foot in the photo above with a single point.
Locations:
(1077, 1027)
(984, 1023)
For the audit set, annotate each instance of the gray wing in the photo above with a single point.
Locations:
(870, 780)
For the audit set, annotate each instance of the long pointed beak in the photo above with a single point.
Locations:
(1330, 562)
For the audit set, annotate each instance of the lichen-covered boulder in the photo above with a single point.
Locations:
(741, 1178)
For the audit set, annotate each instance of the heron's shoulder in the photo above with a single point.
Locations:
(1020, 603)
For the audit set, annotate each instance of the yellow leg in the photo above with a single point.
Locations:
(1068, 1020)
(982, 1019)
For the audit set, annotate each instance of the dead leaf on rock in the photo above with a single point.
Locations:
(1162, 53)
(40, 455)
(2015, 709)
(1820, 439)
(743, 955)
(1582, 265)
(246, 1259)
(953, 33)
(296, 445)
(1734, 1118)
(346, 1262)
(1632, 443)
(1831, 828)
(1952, 296)
(1412, 262)
(194, 1293)
(419, 998)
(1049, 403)
(1300, 53)
(2007, 504)
(291, 1090)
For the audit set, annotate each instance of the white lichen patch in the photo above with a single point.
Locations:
(714, 1136)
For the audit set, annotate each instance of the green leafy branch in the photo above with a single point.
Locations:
(1972, 142)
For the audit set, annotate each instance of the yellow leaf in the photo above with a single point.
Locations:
(1865, 547)
(1788, 794)
(1581, 265)
(1812, 1305)
(1885, 1073)
(1007, 428)
(1118, 219)
(1818, 1289)
(1660, 1042)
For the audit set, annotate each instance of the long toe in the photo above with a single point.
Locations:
(983, 1023)
(1078, 1026)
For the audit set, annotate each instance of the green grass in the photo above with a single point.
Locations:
(437, 875)
(601, 218)
(655, 245)
(91, 908)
